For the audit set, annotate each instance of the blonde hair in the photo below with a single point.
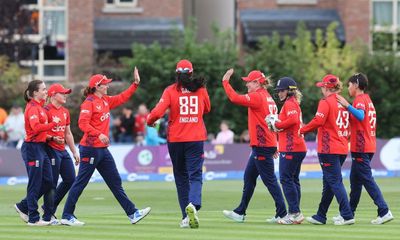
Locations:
(297, 94)
(267, 83)
(337, 88)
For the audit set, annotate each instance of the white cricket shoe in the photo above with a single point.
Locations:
(337, 218)
(314, 221)
(233, 216)
(344, 222)
(291, 218)
(382, 220)
(273, 220)
(54, 221)
(72, 222)
(22, 215)
(185, 223)
(39, 223)
(192, 215)
(139, 215)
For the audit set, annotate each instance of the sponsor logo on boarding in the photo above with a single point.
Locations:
(169, 177)
(215, 175)
(137, 177)
(145, 157)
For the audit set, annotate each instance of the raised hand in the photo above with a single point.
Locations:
(227, 75)
(136, 76)
(342, 101)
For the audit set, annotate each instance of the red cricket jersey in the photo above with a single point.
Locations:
(36, 122)
(260, 104)
(185, 122)
(290, 116)
(94, 118)
(59, 130)
(362, 138)
(140, 123)
(332, 121)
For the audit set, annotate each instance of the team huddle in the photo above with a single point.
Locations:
(271, 134)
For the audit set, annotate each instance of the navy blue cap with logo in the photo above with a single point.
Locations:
(286, 83)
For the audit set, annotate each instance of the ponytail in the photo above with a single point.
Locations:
(186, 80)
(32, 87)
(87, 91)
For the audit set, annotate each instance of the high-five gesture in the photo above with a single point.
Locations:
(136, 76)
(227, 75)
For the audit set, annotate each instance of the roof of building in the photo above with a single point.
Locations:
(119, 34)
(258, 23)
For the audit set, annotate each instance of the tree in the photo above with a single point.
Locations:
(10, 87)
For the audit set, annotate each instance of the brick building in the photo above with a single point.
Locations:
(68, 34)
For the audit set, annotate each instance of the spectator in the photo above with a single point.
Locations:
(139, 140)
(126, 127)
(163, 126)
(140, 119)
(225, 136)
(115, 129)
(244, 137)
(3, 115)
(152, 138)
(15, 126)
(210, 137)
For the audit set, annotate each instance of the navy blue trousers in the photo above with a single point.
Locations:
(187, 161)
(289, 171)
(40, 181)
(333, 186)
(360, 176)
(63, 165)
(261, 163)
(102, 160)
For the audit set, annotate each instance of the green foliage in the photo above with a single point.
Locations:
(10, 87)
(383, 71)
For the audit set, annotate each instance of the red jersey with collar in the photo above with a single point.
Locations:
(260, 104)
(362, 138)
(185, 121)
(36, 122)
(332, 121)
(57, 131)
(290, 116)
(94, 118)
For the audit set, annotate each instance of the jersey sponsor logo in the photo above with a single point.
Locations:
(105, 116)
(33, 117)
(184, 90)
(42, 113)
(360, 105)
(292, 112)
(85, 111)
(319, 114)
(58, 129)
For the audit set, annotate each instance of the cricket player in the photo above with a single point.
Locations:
(263, 143)
(332, 122)
(363, 147)
(187, 100)
(292, 147)
(94, 120)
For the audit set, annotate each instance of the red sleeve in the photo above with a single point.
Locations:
(359, 104)
(319, 119)
(292, 116)
(207, 103)
(248, 100)
(123, 97)
(85, 118)
(159, 110)
(68, 120)
(36, 126)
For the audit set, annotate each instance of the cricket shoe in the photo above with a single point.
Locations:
(192, 215)
(72, 221)
(345, 222)
(22, 215)
(139, 215)
(382, 220)
(233, 216)
(39, 223)
(314, 221)
(185, 223)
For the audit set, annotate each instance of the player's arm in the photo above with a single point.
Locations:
(207, 102)
(85, 117)
(159, 110)
(123, 97)
(69, 139)
(319, 118)
(36, 126)
(293, 117)
(248, 100)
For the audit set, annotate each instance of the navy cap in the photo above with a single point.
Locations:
(286, 83)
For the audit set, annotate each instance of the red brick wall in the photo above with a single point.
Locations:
(355, 15)
(80, 39)
(151, 8)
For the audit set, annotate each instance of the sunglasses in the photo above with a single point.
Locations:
(183, 70)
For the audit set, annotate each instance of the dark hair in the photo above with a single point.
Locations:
(189, 82)
(32, 87)
(87, 91)
(359, 79)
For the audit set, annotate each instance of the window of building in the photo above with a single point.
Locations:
(121, 6)
(48, 34)
(386, 25)
(296, 2)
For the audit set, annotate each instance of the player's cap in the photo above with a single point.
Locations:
(98, 79)
(286, 83)
(57, 88)
(184, 66)
(329, 81)
(255, 76)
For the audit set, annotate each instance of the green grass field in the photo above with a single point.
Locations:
(105, 219)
